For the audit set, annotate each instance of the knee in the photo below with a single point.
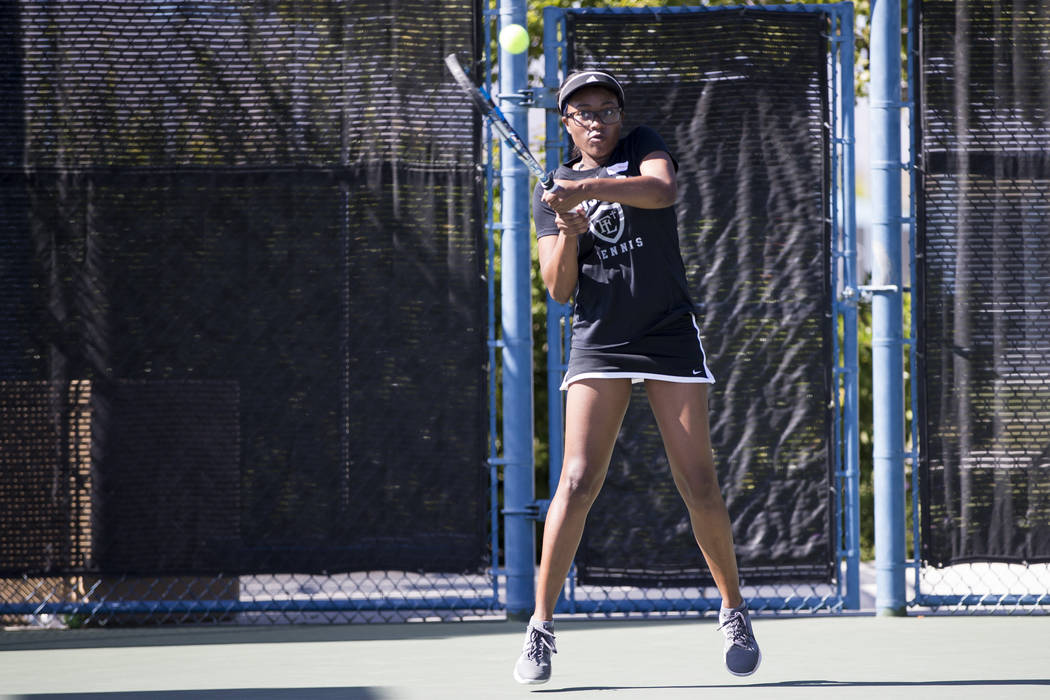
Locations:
(579, 484)
(700, 490)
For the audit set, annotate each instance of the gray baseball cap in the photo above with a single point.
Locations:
(587, 78)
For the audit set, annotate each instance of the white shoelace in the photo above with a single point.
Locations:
(736, 630)
(537, 640)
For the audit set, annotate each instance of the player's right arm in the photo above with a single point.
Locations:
(558, 256)
(655, 187)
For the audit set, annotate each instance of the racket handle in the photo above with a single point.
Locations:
(549, 185)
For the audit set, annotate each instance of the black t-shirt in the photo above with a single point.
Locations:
(632, 279)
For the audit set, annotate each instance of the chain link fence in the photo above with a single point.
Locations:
(244, 359)
(747, 100)
(983, 214)
(243, 369)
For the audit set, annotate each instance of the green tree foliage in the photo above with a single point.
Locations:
(861, 11)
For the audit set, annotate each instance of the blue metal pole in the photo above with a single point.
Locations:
(913, 332)
(558, 315)
(887, 315)
(519, 492)
(851, 400)
(555, 311)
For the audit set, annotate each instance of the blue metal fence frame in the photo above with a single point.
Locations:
(845, 450)
(488, 16)
(912, 455)
(220, 607)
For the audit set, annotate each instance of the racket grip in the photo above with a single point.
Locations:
(551, 186)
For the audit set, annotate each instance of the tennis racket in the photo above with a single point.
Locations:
(484, 104)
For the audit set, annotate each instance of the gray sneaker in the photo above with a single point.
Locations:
(534, 664)
(741, 651)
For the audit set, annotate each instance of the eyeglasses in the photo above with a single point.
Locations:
(584, 117)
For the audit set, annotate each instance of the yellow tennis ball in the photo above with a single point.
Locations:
(514, 38)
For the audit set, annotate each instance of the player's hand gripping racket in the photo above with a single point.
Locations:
(484, 104)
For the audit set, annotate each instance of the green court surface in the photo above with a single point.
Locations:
(821, 656)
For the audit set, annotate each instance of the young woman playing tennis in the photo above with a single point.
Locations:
(633, 321)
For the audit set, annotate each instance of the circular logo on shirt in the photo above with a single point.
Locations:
(607, 222)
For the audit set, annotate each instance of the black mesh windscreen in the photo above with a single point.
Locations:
(984, 226)
(243, 306)
(741, 98)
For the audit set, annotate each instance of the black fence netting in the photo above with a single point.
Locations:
(243, 313)
(984, 230)
(741, 97)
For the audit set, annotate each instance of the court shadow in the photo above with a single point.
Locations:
(352, 693)
(990, 682)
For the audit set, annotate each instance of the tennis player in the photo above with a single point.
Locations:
(633, 321)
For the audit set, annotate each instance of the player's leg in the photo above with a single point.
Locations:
(681, 414)
(594, 411)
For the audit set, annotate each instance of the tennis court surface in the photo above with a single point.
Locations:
(804, 657)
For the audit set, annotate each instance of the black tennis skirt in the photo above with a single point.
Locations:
(675, 354)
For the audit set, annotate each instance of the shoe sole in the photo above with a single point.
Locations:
(523, 681)
(752, 671)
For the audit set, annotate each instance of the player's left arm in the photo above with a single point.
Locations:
(655, 187)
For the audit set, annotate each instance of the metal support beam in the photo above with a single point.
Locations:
(887, 310)
(851, 399)
(519, 491)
